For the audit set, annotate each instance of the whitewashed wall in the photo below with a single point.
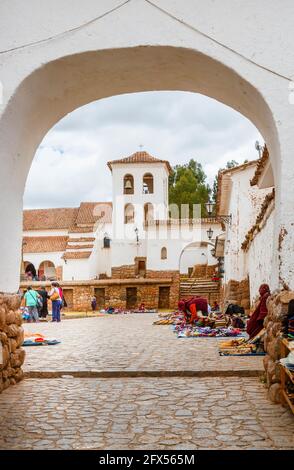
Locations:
(245, 203)
(38, 258)
(176, 239)
(259, 257)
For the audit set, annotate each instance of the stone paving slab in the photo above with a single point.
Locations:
(127, 343)
(149, 413)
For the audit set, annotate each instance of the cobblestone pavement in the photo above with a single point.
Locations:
(126, 342)
(143, 413)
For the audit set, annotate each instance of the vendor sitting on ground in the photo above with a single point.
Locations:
(255, 323)
(215, 307)
(193, 307)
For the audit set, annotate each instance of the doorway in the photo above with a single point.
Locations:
(131, 297)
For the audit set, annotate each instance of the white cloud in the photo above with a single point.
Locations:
(70, 164)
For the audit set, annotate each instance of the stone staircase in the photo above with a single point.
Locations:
(191, 286)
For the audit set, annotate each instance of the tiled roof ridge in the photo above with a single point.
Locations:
(139, 157)
(260, 166)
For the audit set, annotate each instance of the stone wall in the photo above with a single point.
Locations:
(204, 271)
(237, 291)
(274, 323)
(11, 339)
(79, 294)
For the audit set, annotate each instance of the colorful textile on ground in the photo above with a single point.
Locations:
(116, 311)
(36, 339)
(206, 332)
(243, 346)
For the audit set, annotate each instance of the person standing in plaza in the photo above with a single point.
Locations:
(55, 298)
(43, 310)
(31, 301)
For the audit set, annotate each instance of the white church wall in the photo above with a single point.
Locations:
(158, 198)
(76, 270)
(176, 240)
(196, 255)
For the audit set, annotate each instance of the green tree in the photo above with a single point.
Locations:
(187, 185)
(231, 164)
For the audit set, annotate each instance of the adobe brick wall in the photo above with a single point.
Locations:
(237, 291)
(203, 271)
(149, 295)
(11, 339)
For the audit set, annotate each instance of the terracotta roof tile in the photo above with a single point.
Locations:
(45, 219)
(91, 212)
(260, 166)
(140, 157)
(80, 255)
(79, 247)
(44, 244)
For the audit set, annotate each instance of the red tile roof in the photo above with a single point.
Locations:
(44, 244)
(91, 212)
(80, 219)
(260, 166)
(140, 157)
(79, 255)
(46, 219)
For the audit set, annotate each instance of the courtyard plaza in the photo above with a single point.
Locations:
(120, 382)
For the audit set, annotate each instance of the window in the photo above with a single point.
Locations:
(106, 242)
(148, 211)
(163, 253)
(147, 183)
(128, 184)
(129, 213)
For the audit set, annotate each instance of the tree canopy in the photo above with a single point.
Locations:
(187, 185)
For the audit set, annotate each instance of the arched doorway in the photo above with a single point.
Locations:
(47, 271)
(196, 260)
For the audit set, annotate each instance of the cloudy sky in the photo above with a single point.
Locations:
(70, 164)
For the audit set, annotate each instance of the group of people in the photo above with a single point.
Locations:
(36, 302)
(198, 307)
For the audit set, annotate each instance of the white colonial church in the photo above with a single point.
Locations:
(100, 239)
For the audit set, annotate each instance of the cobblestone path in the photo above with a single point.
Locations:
(127, 342)
(143, 412)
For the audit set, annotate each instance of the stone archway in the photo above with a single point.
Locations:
(46, 78)
(180, 69)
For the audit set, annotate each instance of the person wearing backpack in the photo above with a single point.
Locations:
(54, 296)
(32, 299)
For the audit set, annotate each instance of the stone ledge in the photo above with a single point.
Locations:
(143, 373)
(100, 283)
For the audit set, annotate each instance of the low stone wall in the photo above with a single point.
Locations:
(274, 323)
(11, 339)
(79, 293)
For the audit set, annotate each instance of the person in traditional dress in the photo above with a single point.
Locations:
(255, 323)
(192, 307)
